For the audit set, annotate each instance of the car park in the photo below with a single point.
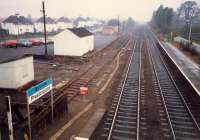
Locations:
(24, 43)
(9, 43)
(35, 41)
(48, 41)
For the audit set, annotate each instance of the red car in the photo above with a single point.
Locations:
(35, 41)
(10, 43)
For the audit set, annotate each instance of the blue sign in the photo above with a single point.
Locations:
(39, 90)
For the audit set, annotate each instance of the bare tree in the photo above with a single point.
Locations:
(188, 11)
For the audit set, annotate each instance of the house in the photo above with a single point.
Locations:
(51, 25)
(73, 42)
(64, 23)
(16, 72)
(80, 22)
(17, 24)
(83, 22)
(108, 30)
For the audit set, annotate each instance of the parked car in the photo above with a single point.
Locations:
(35, 41)
(24, 43)
(10, 43)
(49, 41)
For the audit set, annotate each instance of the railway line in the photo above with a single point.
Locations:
(182, 122)
(41, 111)
(148, 103)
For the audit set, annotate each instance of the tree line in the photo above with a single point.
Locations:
(166, 20)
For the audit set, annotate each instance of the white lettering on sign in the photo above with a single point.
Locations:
(39, 94)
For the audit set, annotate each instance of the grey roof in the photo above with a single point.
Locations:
(64, 19)
(17, 19)
(80, 32)
(48, 20)
(11, 59)
(80, 19)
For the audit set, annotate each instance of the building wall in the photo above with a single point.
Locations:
(17, 29)
(66, 43)
(63, 25)
(17, 73)
(88, 42)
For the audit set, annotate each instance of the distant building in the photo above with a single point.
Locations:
(51, 25)
(108, 30)
(64, 23)
(86, 22)
(73, 42)
(80, 22)
(17, 24)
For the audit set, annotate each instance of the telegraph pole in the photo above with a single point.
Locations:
(189, 37)
(118, 24)
(45, 33)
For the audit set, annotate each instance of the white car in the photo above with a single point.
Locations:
(24, 43)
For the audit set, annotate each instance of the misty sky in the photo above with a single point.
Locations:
(140, 10)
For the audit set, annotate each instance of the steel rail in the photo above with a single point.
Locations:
(163, 100)
(121, 92)
(179, 92)
(139, 95)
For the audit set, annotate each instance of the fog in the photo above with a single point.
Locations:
(140, 10)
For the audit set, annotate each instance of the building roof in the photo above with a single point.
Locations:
(48, 20)
(1, 20)
(17, 19)
(80, 32)
(80, 19)
(12, 59)
(64, 19)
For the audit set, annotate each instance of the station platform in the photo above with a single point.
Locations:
(189, 68)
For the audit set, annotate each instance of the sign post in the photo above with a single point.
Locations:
(9, 114)
(35, 93)
(29, 118)
(52, 106)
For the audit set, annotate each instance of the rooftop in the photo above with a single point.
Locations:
(11, 59)
(80, 32)
(48, 20)
(64, 19)
(17, 19)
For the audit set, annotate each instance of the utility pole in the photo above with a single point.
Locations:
(45, 33)
(118, 24)
(189, 37)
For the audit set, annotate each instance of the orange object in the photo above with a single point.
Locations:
(83, 90)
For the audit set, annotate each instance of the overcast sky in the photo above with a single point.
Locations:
(140, 10)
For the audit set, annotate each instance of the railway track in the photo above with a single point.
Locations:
(147, 103)
(154, 120)
(68, 92)
(121, 119)
(73, 89)
(182, 122)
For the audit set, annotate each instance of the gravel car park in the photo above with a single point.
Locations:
(9, 44)
(24, 43)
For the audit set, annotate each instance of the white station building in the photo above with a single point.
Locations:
(17, 72)
(73, 42)
(17, 24)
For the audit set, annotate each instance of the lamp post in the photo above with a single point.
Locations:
(190, 32)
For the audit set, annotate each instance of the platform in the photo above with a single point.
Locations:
(89, 128)
(189, 68)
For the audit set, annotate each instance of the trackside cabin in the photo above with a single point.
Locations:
(73, 42)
